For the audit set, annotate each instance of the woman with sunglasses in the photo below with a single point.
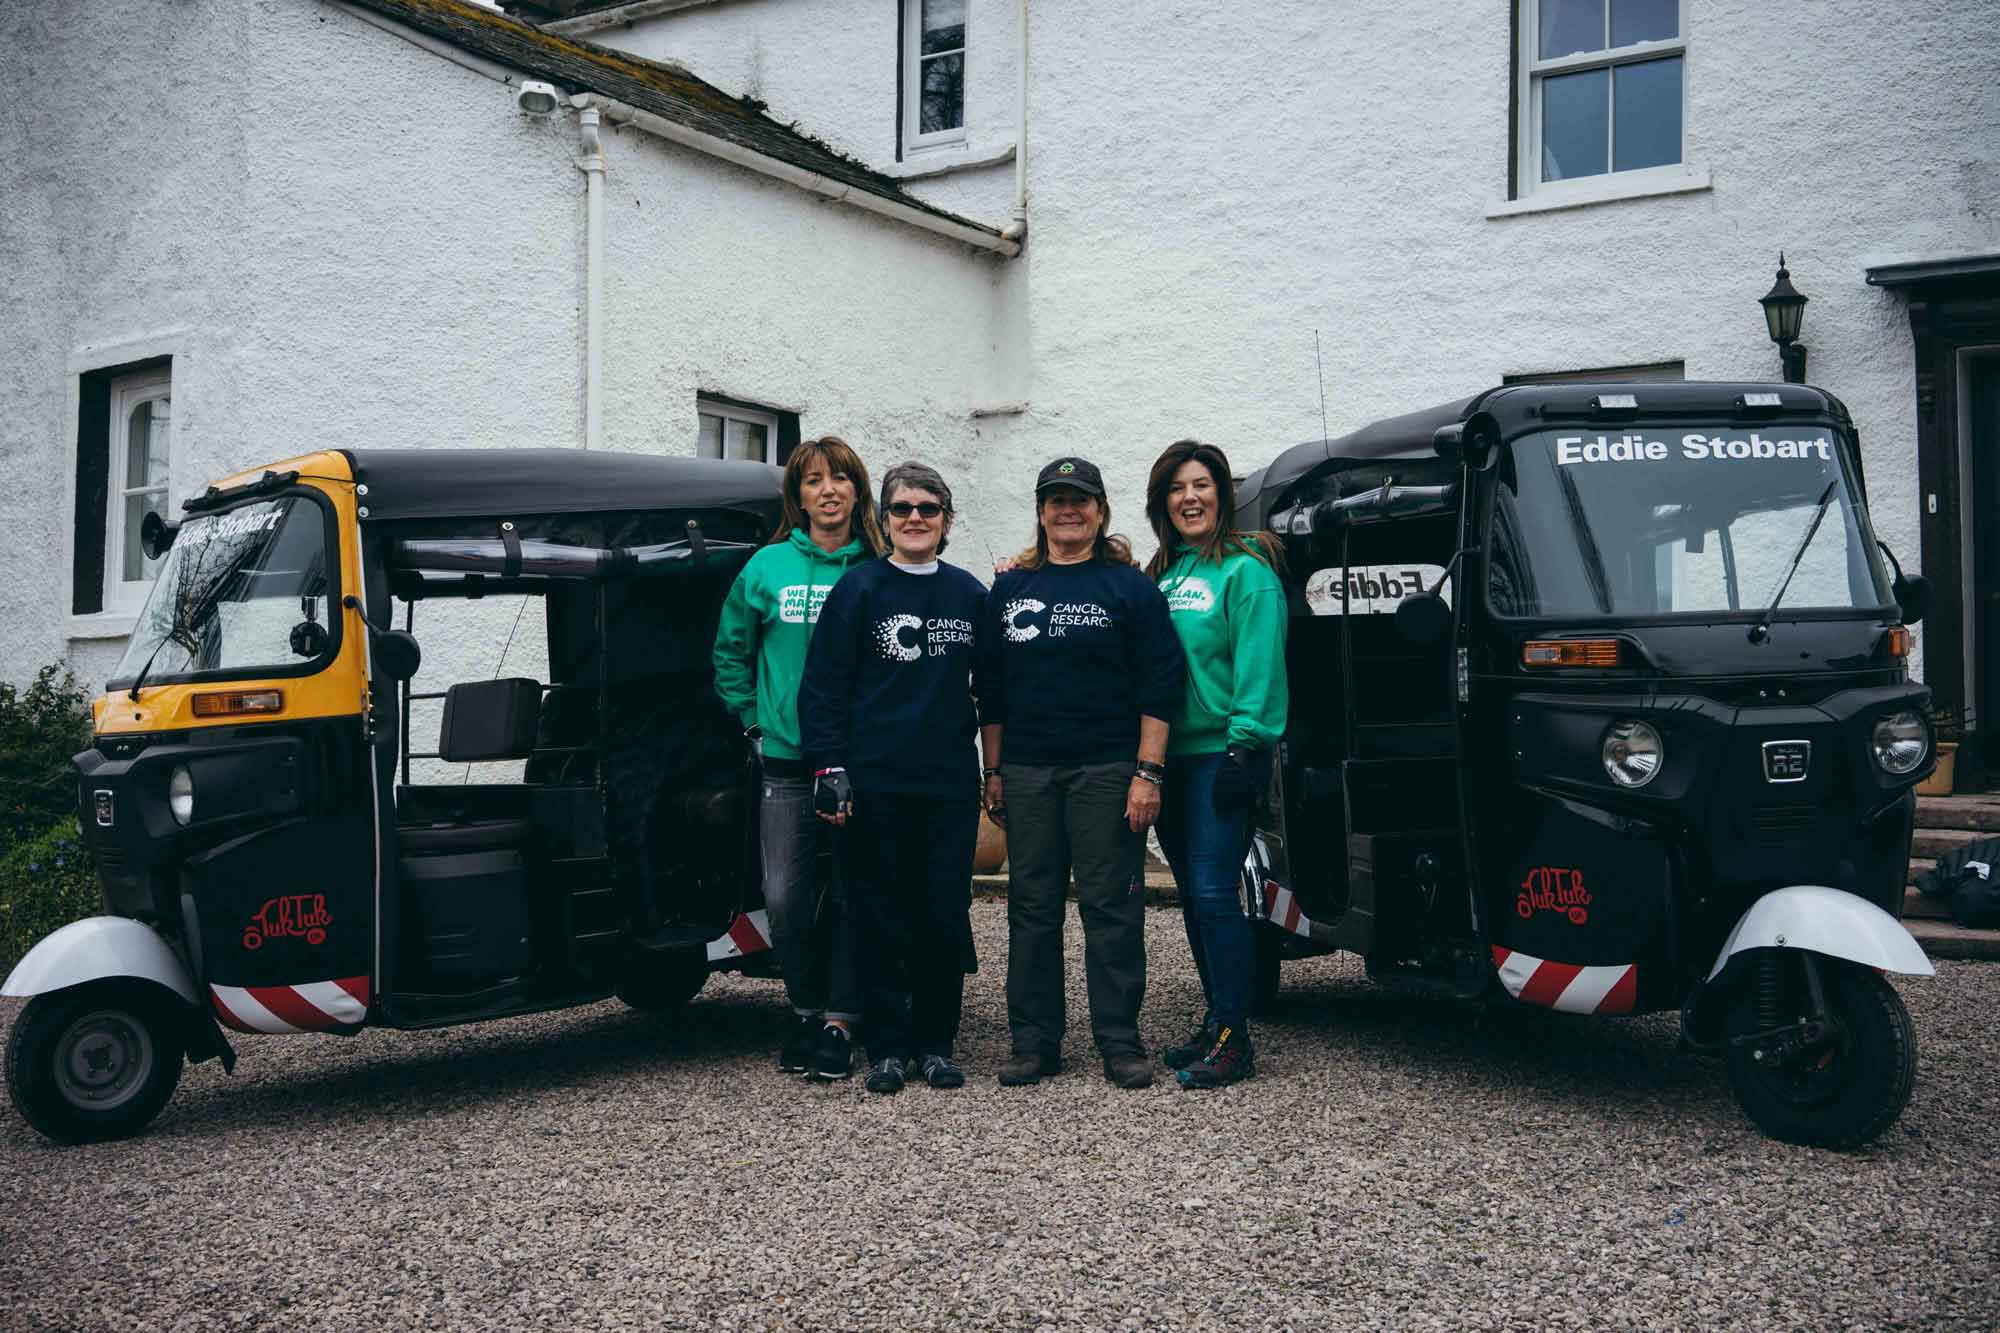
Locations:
(886, 709)
(1228, 608)
(1082, 671)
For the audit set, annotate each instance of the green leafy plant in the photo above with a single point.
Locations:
(40, 728)
(46, 881)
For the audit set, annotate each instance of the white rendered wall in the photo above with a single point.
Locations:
(365, 246)
(1207, 189)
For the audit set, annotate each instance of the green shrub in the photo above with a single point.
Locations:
(40, 728)
(45, 882)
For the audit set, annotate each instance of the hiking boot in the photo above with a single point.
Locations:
(1023, 1068)
(796, 1057)
(1185, 1053)
(941, 1071)
(886, 1076)
(1229, 1060)
(1128, 1069)
(833, 1054)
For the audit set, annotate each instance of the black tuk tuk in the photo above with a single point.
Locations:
(1600, 699)
(268, 863)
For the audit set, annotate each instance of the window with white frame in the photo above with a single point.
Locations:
(136, 482)
(933, 72)
(731, 430)
(1603, 90)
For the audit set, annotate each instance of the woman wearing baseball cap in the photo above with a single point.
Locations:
(1228, 610)
(1080, 672)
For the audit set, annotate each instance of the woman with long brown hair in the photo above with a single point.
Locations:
(760, 655)
(1228, 609)
(1080, 669)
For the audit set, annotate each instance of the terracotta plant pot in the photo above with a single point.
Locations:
(990, 852)
(1939, 782)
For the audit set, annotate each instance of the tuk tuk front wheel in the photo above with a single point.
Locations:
(96, 1061)
(1843, 1089)
(662, 983)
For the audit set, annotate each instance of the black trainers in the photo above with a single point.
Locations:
(1022, 1068)
(1185, 1053)
(833, 1054)
(1128, 1069)
(941, 1071)
(1229, 1060)
(796, 1056)
(886, 1076)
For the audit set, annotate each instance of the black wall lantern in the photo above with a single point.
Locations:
(1784, 309)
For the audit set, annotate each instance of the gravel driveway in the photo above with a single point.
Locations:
(1397, 1163)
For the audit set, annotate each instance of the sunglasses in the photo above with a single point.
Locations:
(905, 508)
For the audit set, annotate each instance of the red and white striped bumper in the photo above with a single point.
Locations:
(1568, 986)
(749, 933)
(316, 1006)
(1282, 910)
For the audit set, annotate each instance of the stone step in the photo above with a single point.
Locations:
(1935, 842)
(1916, 907)
(1945, 939)
(1959, 812)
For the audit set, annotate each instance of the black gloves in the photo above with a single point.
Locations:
(1234, 791)
(833, 794)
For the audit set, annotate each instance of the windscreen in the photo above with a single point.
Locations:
(233, 592)
(1678, 520)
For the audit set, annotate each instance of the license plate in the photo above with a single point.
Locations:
(1787, 761)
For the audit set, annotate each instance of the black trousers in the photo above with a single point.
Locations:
(907, 863)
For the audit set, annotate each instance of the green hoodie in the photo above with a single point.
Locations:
(1231, 619)
(767, 622)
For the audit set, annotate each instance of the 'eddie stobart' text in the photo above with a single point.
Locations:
(1638, 449)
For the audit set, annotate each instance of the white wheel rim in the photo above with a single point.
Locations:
(103, 1059)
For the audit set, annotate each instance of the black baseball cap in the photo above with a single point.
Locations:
(1080, 473)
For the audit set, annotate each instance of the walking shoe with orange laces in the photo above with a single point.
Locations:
(1229, 1060)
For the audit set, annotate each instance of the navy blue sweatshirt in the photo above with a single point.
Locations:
(887, 688)
(1070, 656)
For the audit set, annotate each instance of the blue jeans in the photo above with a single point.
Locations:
(1206, 851)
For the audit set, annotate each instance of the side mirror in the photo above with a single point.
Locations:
(1423, 620)
(156, 535)
(1913, 595)
(396, 652)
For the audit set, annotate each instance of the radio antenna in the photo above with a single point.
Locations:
(1320, 368)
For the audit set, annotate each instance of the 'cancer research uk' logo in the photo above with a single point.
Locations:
(889, 638)
(1011, 619)
(1192, 595)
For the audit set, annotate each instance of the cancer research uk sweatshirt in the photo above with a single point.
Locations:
(1074, 655)
(887, 691)
(1230, 615)
(760, 642)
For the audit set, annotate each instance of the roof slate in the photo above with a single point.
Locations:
(665, 90)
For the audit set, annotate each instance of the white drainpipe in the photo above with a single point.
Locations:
(590, 161)
(1017, 230)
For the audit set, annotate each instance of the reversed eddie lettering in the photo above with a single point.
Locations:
(760, 656)
(1082, 671)
(1228, 608)
(887, 721)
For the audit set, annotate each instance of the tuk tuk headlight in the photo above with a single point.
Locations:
(180, 794)
(1900, 743)
(1632, 753)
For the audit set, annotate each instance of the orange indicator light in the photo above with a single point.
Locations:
(235, 703)
(1571, 653)
(1899, 641)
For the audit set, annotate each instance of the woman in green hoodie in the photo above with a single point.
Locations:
(1228, 607)
(760, 655)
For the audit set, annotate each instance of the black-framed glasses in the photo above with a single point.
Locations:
(924, 508)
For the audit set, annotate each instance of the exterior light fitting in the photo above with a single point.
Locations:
(1784, 310)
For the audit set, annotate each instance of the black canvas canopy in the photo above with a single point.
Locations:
(1406, 436)
(454, 483)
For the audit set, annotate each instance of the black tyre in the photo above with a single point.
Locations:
(1266, 957)
(96, 1061)
(1841, 1092)
(662, 983)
